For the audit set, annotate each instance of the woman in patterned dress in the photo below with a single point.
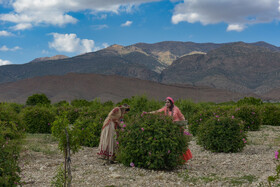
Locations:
(171, 110)
(108, 144)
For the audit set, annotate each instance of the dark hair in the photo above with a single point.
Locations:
(172, 104)
(125, 105)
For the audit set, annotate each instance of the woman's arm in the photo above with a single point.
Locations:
(153, 112)
(180, 116)
(157, 111)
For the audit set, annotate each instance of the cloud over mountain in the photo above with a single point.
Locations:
(237, 14)
(4, 62)
(71, 43)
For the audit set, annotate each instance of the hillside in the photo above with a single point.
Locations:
(168, 51)
(106, 87)
(144, 61)
(237, 67)
(56, 57)
(103, 62)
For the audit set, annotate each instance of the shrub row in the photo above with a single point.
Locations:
(11, 134)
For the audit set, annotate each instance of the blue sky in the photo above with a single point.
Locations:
(40, 28)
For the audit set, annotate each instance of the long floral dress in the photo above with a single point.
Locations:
(108, 144)
(177, 116)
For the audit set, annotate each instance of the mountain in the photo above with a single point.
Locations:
(144, 61)
(266, 45)
(272, 95)
(168, 51)
(106, 87)
(56, 57)
(237, 67)
(107, 61)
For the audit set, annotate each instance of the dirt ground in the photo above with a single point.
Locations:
(40, 159)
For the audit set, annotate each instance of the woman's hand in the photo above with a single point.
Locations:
(144, 113)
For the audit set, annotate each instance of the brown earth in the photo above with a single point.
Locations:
(251, 167)
(107, 87)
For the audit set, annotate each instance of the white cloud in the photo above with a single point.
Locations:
(45, 51)
(71, 44)
(235, 27)
(126, 24)
(27, 13)
(105, 45)
(5, 33)
(22, 26)
(4, 62)
(238, 14)
(5, 48)
(88, 45)
(100, 27)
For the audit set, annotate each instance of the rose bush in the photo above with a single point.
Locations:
(152, 141)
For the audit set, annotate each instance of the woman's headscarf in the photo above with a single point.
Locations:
(170, 99)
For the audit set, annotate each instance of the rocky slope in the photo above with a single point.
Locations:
(238, 67)
(56, 57)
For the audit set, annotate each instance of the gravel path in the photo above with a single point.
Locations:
(251, 167)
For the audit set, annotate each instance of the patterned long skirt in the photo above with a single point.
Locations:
(108, 144)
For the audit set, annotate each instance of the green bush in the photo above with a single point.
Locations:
(90, 131)
(73, 113)
(188, 108)
(10, 112)
(270, 115)
(222, 134)
(250, 116)
(108, 104)
(59, 127)
(90, 122)
(10, 143)
(201, 117)
(249, 101)
(197, 119)
(138, 104)
(37, 99)
(62, 103)
(80, 103)
(151, 141)
(38, 119)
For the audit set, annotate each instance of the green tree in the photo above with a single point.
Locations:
(38, 99)
(249, 101)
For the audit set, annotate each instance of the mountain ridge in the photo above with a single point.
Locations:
(236, 66)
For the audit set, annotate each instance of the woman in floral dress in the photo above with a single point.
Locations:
(171, 110)
(108, 144)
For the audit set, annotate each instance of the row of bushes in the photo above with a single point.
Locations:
(221, 123)
(11, 134)
(89, 116)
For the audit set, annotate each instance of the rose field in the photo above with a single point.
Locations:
(233, 144)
